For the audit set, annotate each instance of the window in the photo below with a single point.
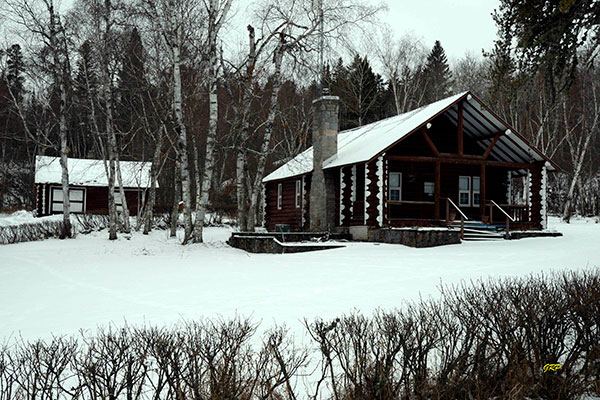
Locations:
(469, 191)
(118, 201)
(298, 193)
(429, 189)
(279, 195)
(76, 199)
(395, 182)
(464, 191)
(476, 196)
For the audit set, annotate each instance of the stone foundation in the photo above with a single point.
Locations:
(415, 237)
(279, 243)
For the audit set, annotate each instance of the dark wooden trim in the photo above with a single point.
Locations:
(488, 137)
(450, 155)
(482, 193)
(462, 98)
(490, 147)
(469, 161)
(438, 169)
(461, 107)
(430, 142)
(399, 202)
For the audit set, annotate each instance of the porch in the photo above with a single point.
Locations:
(395, 192)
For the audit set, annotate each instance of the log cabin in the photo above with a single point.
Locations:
(449, 160)
(88, 186)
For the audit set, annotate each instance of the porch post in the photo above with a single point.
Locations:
(342, 187)
(380, 195)
(535, 195)
(482, 194)
(437, 190)
(543, 194)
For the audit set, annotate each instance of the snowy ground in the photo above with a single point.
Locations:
(60, 287)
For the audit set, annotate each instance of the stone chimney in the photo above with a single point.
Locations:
(325, 140)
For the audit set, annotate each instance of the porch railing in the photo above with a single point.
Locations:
(508, 218)
(463, 217)
(518, 212)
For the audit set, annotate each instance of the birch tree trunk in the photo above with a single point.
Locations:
(182, 153)
(112, 144)
(176, 197)
(242, 152)
(125, 207)
(262, 160)
(60, 75)
(579, 150)
(109, 124)
(149, 207)
(213, 68)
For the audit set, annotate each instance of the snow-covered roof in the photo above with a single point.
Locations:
(364, 143)
(84, 172)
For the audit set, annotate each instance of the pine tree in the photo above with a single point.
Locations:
(85, 91)
(361, 92)
(14, 71)
(132, 83)
(437, 75)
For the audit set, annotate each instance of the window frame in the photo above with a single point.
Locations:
(468, 191)
(279, 196)
(71, 201)
(298, 193)
(474, 192)
(425, 193)
(398, 188)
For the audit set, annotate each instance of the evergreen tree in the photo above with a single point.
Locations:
(361, 93)
(85, 91)
(14, 71)
(437, 75)
(132, 83)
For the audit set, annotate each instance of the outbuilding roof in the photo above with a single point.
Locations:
(85, 172)
(365, 143)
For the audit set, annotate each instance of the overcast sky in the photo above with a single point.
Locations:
(460, 25)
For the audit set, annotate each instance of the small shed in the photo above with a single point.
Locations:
(88, 185)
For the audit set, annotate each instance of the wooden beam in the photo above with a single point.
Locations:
(466, 161)
(430, 142)
(490, 147)
(461, 107)
(487, 137)
(482, 191)
(450, 155)
(438, 185)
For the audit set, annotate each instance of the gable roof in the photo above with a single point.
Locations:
(85, 172)
(365, 143)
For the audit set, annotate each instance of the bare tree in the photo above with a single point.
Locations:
(42, 19)
(217, 11)
(579, 141)
(401, 61)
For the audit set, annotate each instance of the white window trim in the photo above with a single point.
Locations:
(475, 191)
(82, 202)
(298, 193)
(399, 188)
(279, 195)
(468, 192)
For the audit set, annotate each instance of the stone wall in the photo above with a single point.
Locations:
(416, 237)
(271, 245)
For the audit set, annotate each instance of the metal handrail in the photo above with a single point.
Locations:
(501, 209)
(458, 209)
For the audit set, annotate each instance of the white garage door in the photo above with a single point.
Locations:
(76, 197)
